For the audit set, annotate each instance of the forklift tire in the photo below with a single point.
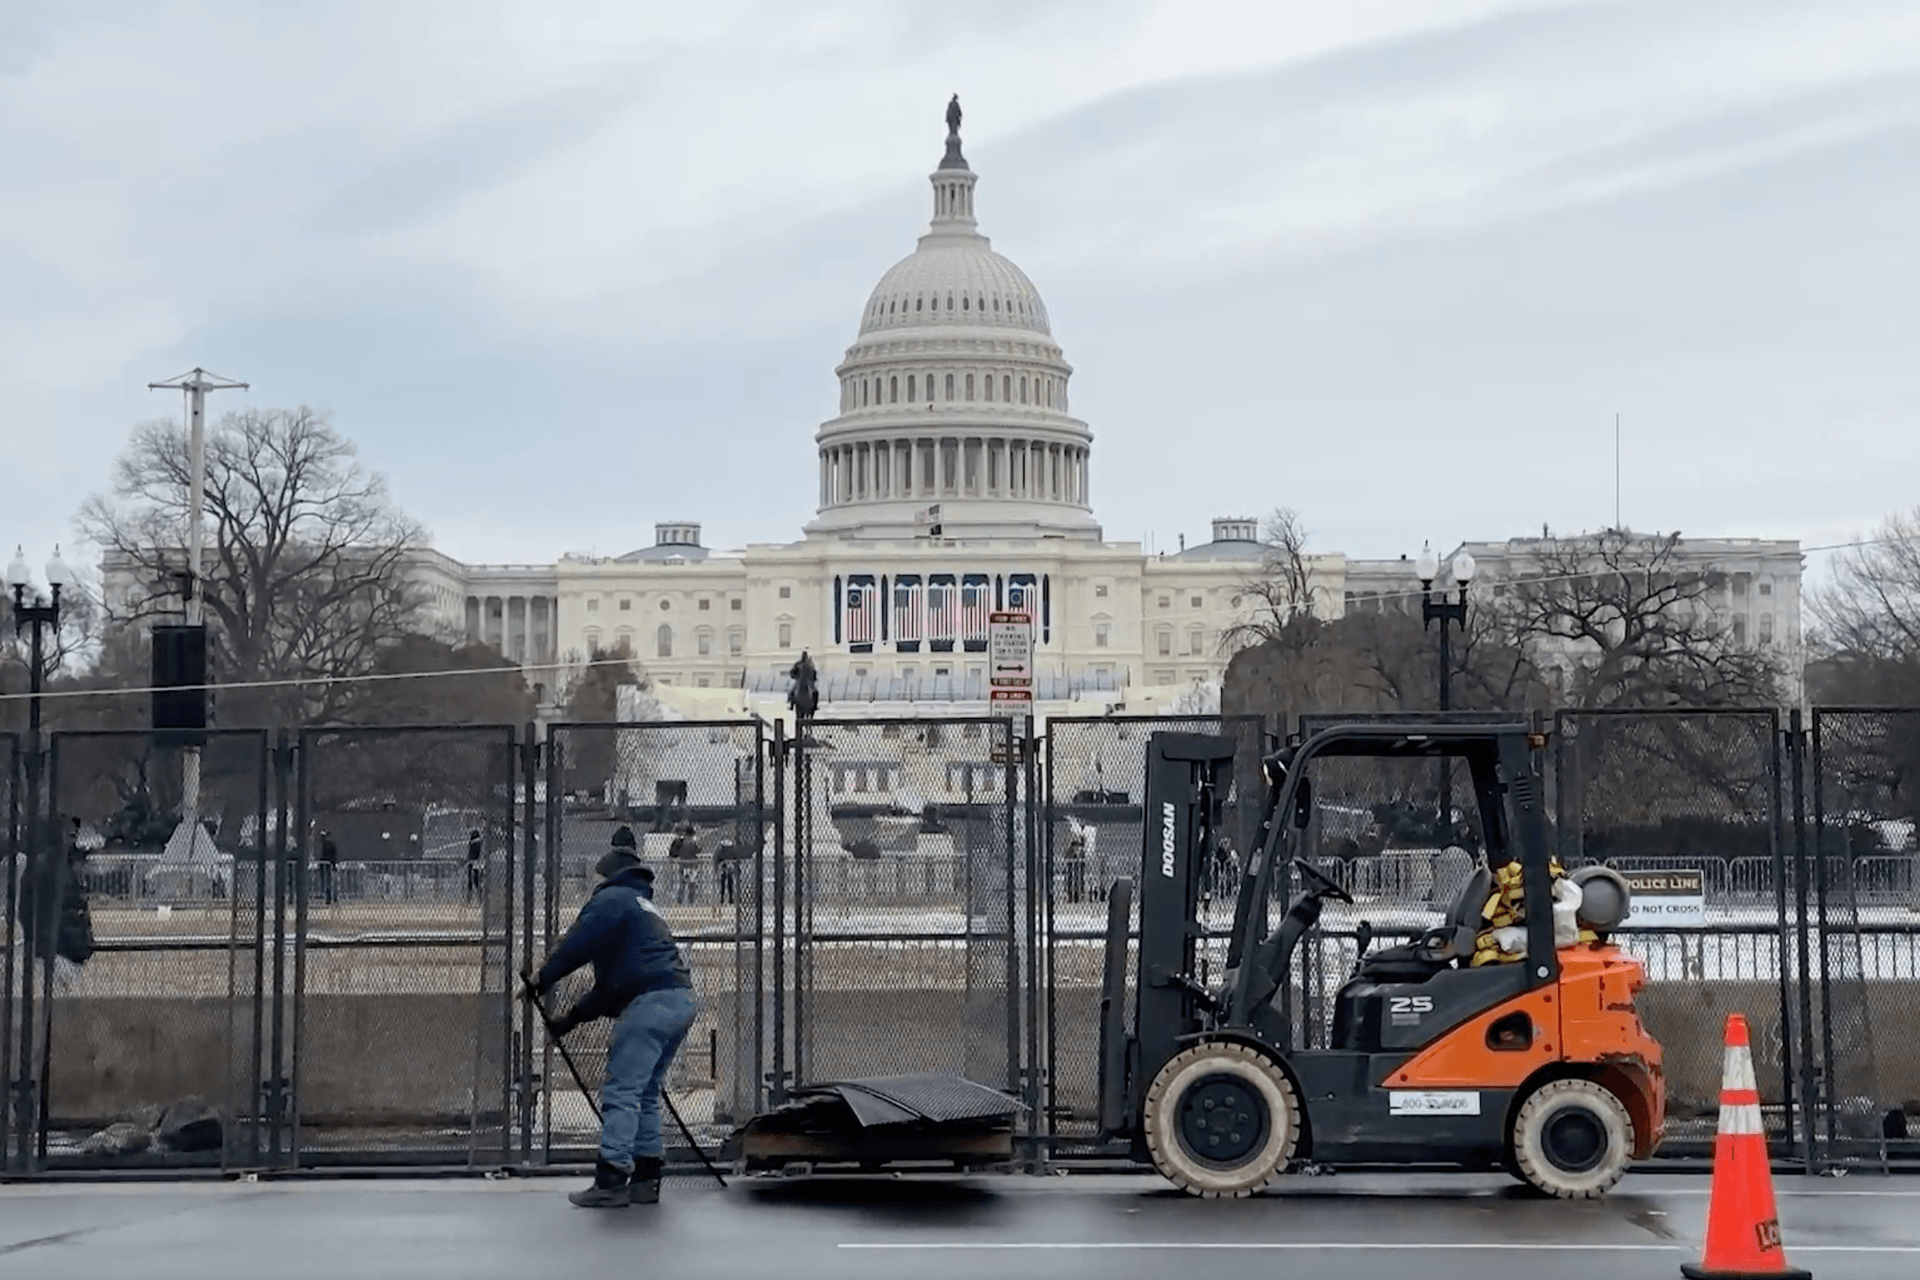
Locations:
(1572, 1139)
(1221, 1120)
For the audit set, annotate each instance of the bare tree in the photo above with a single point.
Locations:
(305, 571)
(1623, 621)
(1282, 590)
(1870, 608)
(593, 698)
(1283, 658)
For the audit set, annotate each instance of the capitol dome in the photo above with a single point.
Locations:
(954, 395)
(955, 283)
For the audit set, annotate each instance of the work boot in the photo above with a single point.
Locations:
(609, 1189)
(645, 1186)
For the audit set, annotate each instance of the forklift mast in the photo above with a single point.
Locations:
(1188, 777)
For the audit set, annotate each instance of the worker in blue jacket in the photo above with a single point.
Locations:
(641, 981)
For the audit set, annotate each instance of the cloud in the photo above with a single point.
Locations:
(564, 270)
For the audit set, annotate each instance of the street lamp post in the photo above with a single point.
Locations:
(1444, 611)
(37, 618)
(1448, 613)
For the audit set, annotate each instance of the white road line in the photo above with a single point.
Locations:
(1296, 1245)
(1351, 1246)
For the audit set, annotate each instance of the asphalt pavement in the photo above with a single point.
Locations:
(1343, 1227)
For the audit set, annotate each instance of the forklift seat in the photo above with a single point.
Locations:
(1420, 959)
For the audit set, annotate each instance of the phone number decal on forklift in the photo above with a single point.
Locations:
(1435, 1102)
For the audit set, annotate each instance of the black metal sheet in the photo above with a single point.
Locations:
(938, 1098)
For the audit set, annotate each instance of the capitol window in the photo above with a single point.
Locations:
(626, 604)
(1100, 589)
(1194, 602)
(663, 641)
(593, 605)
(665, 605)
(969, 386)
(736, 642)
(734, 604)
(705, 605)
(919, 303)
(912, 395)
(703, 644)
(1164, 640)
(786, 593)
(1101, 631)
(786, 635)
(949, 386)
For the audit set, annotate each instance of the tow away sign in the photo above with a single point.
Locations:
(1667, 897)
(1010, 656)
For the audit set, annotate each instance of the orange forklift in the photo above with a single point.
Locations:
(1538, 1065)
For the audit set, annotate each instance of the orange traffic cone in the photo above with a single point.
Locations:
(1743, 1230)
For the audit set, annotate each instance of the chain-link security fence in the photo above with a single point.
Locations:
(318, 968)
(1865, 775)
(417, 968)
(141, 939)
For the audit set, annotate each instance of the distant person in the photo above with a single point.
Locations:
(727, 856)
(53, 901)
(329, 868)
(642, 981)
(476, 865)
(684, 852)
(1074, 864)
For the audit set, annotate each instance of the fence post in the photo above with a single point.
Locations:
(513, 1079)
(1014, 739)
(8, 1101)
(1036, 884)
(777, 1085)
(1809, 1092)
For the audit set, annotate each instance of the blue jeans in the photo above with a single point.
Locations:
(645, 1037)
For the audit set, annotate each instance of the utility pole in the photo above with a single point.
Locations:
(187, 838)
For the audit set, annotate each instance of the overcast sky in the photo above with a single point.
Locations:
(565, 269)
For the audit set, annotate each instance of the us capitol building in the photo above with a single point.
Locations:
(954, 482)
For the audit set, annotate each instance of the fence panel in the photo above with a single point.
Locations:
(1864, 776)
(1701, 789)
(695, 796)
(1095, 772)
(153, 1049)
(402, 1037)
(908, 844)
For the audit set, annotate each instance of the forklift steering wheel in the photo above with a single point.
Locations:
(1321, 883)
